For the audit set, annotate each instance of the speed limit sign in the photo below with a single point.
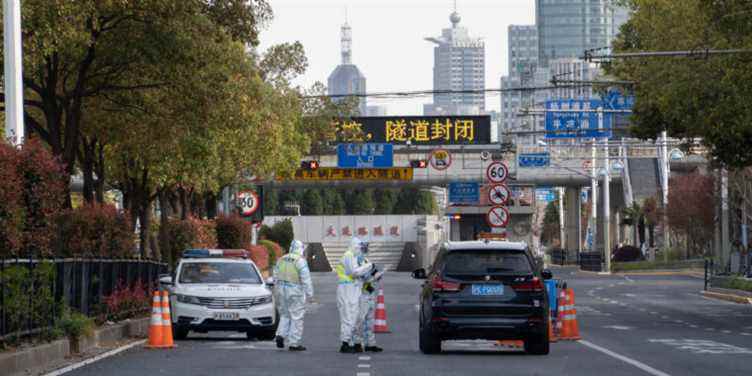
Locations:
(497, 172)
(247, 202)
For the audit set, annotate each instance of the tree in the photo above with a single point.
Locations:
(385, 200)
(551, 234)
(691, 211)
(312, 203)
(691, 97)
(333, 202)
(362, 202)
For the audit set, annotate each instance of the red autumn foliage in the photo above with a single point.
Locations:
(95, 230)
(232, 232)
(690, 208)
(127, 301)
(39, 181)
(259, 255)
(205, 233)
(11, 207)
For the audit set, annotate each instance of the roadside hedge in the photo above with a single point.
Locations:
(232, 232)
(94, 230)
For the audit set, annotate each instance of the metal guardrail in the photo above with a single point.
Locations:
(81, 284)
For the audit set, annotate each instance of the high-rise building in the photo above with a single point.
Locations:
(347, 78)
(459, 65)
(524, 72)
(566, 28)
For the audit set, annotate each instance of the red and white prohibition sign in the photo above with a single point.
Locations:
(498, 194)
(498, 216)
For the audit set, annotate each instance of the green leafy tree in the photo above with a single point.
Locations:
(312, 203)
(385, 200)
(362, 202)
(551, 234)
(333, 202)
(691, 98)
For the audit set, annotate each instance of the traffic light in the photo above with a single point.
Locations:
(420, 163)
(309, 165)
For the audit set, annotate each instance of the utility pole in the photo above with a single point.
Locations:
(606, 198)
(665, 171)
(562, 236)
(14, 114)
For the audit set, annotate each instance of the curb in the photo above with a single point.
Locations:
(727, 297)
(664, 272)
(38, 358)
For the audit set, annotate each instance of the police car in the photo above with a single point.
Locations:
(220, 290)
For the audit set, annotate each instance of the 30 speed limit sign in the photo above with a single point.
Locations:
(497, 216)
(247, 202)
(497, 172)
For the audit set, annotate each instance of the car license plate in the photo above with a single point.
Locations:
(226, 316)
(488, 290)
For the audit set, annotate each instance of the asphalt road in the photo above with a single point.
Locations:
(630, 326)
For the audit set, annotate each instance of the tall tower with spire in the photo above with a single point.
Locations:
(346, 77)
(459, 65)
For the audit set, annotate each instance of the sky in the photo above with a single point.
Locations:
(388, 40)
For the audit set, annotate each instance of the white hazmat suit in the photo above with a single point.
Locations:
(292, 284)
(364, 333)
(350, 273)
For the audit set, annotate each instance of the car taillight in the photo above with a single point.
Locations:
(533, 285)
(440, 285)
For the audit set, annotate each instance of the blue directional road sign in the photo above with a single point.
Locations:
(365, 156)
(580, 119)
(533, 160)
(545, 194)
(464, 193)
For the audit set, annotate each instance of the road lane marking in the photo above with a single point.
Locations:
(727, 331)
(363, 374)
(700, 346)
(694, 326)
(747, 334)
(625, 359)
(618, 327)
(86, 362)
(366, 358)
(364, 366)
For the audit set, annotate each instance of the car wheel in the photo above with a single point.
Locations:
(428, 342)
(180, 332)
(537, 345)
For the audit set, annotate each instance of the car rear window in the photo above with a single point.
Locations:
(472, 262)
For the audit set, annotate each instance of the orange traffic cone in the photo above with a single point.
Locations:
(155, 325)
(380, 325)
(571, 329)
(561, 308)
(167, 341)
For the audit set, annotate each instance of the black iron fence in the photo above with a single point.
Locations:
(591, 261)
(33, 292)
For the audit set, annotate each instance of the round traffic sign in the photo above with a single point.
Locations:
(498, 194)
(497, 216)
(441, 159)
(497, 172)
(247, 202)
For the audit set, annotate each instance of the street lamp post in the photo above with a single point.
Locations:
(606, 199)
(14, 122)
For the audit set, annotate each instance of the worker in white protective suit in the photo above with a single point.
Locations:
(365, 338)
(350, 271)
(292, 286)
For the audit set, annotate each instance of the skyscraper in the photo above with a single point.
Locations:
(566, 28)
(459, 65)
(347, 78)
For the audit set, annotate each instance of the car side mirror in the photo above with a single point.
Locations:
(166, 280)
(547, 274)
(270, 281)
(419, 274)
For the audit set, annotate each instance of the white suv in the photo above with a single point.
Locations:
(220, 290)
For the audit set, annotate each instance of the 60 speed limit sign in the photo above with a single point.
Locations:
(497, 172)
(247, 202)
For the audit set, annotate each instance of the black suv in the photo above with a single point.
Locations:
(490, 290)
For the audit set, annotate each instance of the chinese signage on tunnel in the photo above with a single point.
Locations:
(422, 130)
